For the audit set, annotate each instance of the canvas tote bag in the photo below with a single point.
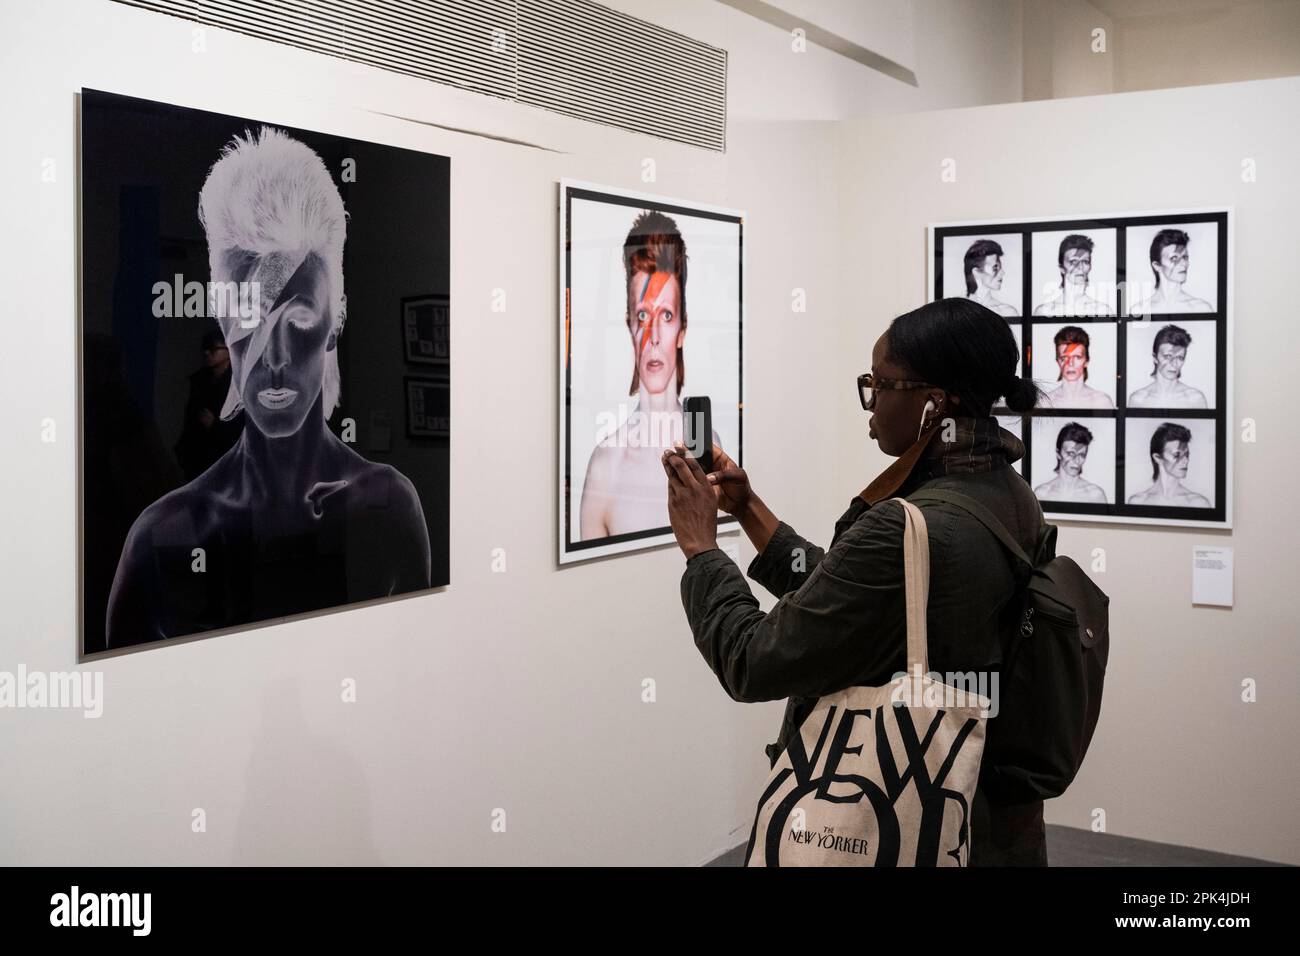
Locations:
(879, 776)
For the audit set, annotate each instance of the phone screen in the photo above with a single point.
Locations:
(697, 427)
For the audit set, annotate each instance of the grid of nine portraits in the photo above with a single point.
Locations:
(1122, 321)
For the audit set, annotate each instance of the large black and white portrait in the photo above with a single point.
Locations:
(1074, 273)
(1169, 463)
(986, 269)
(1073, 460)
(1172, 268)
(1172, 364)
(1074, 365)
(1126, 327)
(241, 370)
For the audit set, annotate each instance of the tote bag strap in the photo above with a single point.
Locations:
(916, 584)
(980, 514)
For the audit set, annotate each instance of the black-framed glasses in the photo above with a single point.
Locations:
(868, 385)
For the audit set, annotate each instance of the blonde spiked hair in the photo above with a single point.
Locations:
(270, 194)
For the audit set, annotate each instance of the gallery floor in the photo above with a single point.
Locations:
(1071, 846)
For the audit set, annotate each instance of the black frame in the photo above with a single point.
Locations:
(1121, 413)
(442, 382)
(567, 194)
(437, 506)
(417, 359)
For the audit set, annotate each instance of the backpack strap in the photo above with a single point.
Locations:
(981, 514)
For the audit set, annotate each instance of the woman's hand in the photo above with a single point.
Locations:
(692, 502)
(730, 482)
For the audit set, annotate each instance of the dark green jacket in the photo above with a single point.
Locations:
(839, 621)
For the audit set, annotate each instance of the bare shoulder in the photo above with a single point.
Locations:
(1094, 493)
(603, 465)
(379, 485)
(185, 513)
(181, 519)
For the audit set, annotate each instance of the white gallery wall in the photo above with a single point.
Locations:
(1178, 756)
(519, 691)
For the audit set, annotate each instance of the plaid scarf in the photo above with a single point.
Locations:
(950, 446)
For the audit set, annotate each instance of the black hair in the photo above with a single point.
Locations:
(1165, 237)
(1071, 432)
(975, 256)
(1073, 241)
(1169, 335)
(1166, 433)
(965, 349)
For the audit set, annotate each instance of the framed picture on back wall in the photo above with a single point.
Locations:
(650, 312)
(1127, 329)
(240, 369)
(426, 324)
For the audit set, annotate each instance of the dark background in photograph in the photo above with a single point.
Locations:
(142, 166)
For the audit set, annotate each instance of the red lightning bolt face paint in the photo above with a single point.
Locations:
(655, 298)
(1071, 359)
(650, 304)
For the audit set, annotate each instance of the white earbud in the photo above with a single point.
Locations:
(929, 407)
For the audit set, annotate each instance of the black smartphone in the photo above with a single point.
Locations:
(697, 429)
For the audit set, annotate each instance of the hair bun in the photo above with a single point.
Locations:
(1021, 394)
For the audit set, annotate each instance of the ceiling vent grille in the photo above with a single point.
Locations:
(574, 57)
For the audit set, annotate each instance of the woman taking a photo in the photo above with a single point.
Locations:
(840, 618)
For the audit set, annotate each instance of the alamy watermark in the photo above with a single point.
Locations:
(952, 689)
(196, 300)
(54, 690)
(75, 908)
(628, 427)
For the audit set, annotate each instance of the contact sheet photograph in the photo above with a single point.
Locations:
(1124, 322)
(650, 316)
(241, 371)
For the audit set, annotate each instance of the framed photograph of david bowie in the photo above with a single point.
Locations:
(650, 313)
(1126, 327)
(239, 369)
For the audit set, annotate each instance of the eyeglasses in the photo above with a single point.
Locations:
(868, 385)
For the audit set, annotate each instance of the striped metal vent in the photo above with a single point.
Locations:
(586, 60)
(574, 57)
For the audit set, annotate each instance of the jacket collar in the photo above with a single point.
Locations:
(950, 446)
